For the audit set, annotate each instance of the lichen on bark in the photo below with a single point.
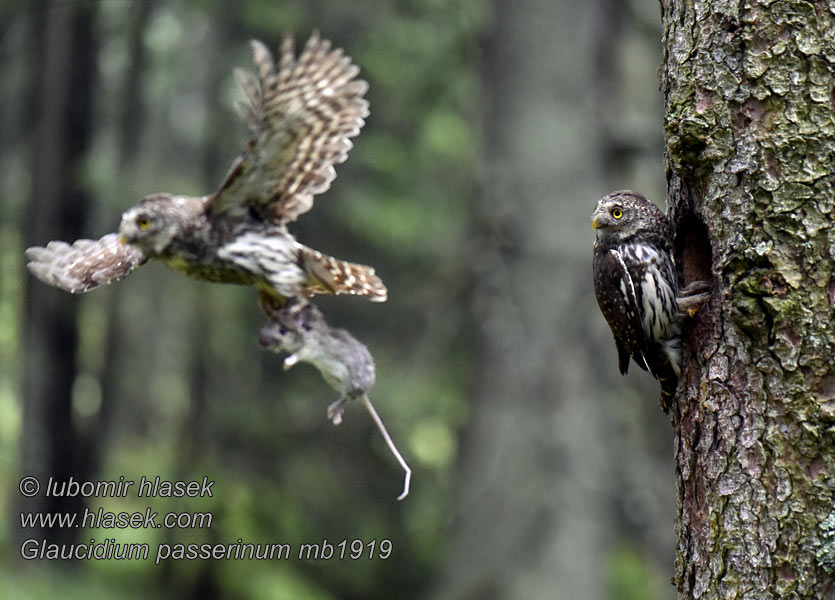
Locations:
(750, 153)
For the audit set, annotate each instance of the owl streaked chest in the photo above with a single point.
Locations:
(196, 253)
(215, 271)
(635, 287)
(652, 273)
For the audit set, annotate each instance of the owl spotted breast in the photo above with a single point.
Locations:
(302, 115)
(636, 286)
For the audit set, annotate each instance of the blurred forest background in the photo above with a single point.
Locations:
(495, 126)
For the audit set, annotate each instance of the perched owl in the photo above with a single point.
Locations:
(345, 363)
(302, 115)
(637, 288)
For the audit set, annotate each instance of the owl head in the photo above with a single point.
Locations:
(155, 222)
(621, 215)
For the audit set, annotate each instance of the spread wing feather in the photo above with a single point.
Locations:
(302, 116)
(84, 265)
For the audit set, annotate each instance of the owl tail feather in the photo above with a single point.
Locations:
(666, 368)
(330, 275)
(668, 392)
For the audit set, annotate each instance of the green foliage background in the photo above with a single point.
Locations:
(196, 395)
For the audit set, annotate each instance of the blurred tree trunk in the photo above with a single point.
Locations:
(532, 492)
(58, 210)
(131, 119)
(750, 148)
(611, 17)
(645, 501)
(196, 436)
(132, 110)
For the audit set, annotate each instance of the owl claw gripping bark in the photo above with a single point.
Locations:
(637, 289)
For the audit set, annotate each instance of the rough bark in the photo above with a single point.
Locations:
(750, 149)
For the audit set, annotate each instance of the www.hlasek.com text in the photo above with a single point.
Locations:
(102, 519)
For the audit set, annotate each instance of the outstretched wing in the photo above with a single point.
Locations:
(85, 264)
(302, 116)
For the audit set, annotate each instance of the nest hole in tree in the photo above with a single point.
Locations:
(693, 250)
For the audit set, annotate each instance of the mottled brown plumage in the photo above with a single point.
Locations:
(636, 286)
(301, 116)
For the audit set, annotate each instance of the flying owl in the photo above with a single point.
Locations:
(637, 289)
(298, 327)
(301, 115)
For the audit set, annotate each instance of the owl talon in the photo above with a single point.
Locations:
(692, 303)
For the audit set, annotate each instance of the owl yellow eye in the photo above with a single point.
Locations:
(617, 213)
(143, 223)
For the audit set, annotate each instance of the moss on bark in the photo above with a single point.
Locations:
(750, 153)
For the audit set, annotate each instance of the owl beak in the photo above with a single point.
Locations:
(595, 224)
(123, 240)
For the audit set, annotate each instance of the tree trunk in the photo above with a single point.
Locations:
(532, 517)
(129, 127)
(64, 122)
(750, 149)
